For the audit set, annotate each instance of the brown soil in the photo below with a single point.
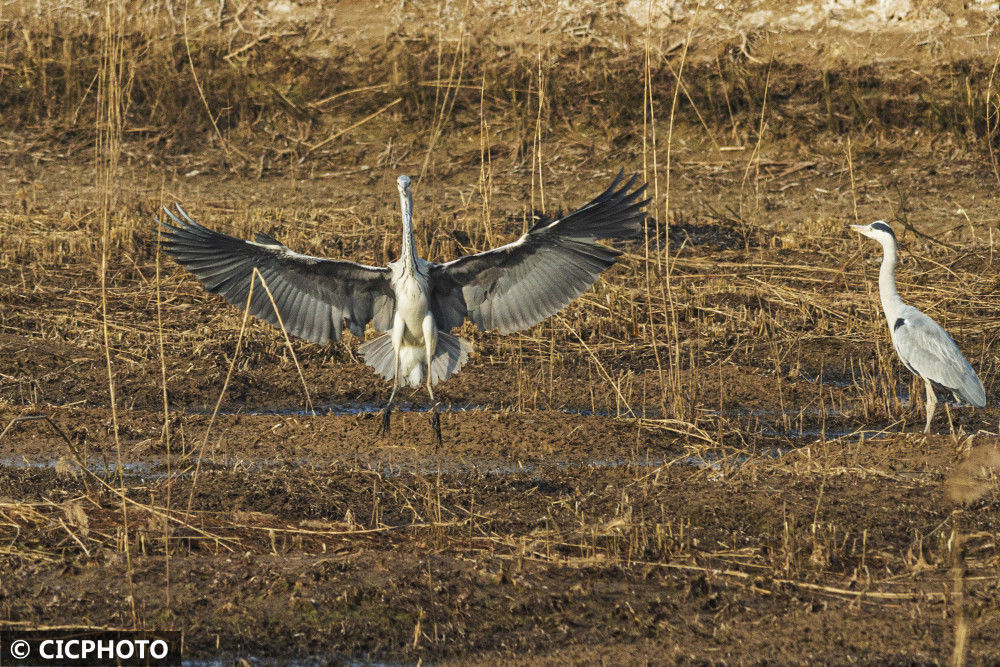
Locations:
(711, 457)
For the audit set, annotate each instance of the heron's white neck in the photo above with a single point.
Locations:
(408, 253)
(891, 303)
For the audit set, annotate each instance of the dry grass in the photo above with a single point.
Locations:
(737, 351)
(267, 88)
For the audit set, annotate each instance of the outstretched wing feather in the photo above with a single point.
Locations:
(515, 286)
(314, 296)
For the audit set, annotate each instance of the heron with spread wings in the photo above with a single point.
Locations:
(415, 303)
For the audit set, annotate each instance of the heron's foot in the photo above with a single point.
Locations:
(436, 423)
(383, 428)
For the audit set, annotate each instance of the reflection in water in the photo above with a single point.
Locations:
(718, 460)
(752, 427)
(156, 469)
(347, 409)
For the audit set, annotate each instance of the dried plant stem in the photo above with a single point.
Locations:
(336, 135)
(201, 91)
(850, 170)
(666, 286)
(604, 372)
(165, 513)
(166, 415)
(288, 340)
(960, 648)
(649, 142)
(222, 393)
(110, 101)
(537, 153)
(453, 86)
(754, 161)
(991, 130)
(485, 166)
(254, 278)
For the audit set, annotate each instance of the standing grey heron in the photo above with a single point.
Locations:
(415, 302)
(925, 349)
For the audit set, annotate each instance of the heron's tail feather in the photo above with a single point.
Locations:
(451, 354)
(378, 354)
(971, 391)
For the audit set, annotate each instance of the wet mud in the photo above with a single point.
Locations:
(713, 456)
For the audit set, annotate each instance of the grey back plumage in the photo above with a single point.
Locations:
(927, 350)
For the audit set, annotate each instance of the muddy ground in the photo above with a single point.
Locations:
(711, 457)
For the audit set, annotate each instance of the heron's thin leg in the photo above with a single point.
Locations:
(383, 429)
(430, 356)
(435, 416)
(430, 343)
(931, 404)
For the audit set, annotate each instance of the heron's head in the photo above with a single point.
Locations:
(878, 230)
(403, 183)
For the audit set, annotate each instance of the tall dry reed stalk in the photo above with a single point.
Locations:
(167, 527)
(113, 87)
(666, 269)
(649, 149)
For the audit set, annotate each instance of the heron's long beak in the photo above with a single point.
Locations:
(859, 228)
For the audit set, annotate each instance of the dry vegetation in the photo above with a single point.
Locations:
(712, 455)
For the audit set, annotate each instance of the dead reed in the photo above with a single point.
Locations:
(745, 432)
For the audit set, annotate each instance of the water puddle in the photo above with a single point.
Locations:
(297, 662)
(841, 382)
(718, 462)
(349, 409)
(783, 432)
(806, 433)
(723, 464)
(773, 412)
(153, 470)
(254, 661)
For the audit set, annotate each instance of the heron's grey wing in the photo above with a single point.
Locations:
(926, 349)
(515, 286)
(315, 296)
